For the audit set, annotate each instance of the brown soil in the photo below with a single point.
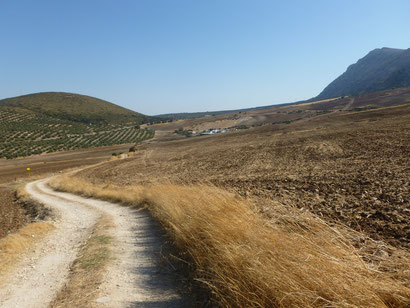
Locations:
(12, 215)
(41, 165)
(352, 167)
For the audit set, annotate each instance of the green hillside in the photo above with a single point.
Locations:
(72, 107)
(50, 122)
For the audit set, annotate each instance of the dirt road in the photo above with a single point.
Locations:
(133, 277)
(349, 104)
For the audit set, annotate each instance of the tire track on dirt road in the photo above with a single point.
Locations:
(132, 279)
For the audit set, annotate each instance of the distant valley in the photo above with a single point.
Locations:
(381, 69)
(55, 121)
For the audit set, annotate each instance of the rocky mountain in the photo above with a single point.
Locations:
(380, 69)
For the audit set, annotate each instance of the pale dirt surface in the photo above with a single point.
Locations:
(133, 278)
(43, 272)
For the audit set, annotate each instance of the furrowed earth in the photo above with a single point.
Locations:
(345, 166)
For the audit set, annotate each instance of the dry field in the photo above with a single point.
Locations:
(347, 167)
(288, 113)
(311, 213)
(12, 170)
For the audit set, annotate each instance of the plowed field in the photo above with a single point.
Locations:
(350, 167)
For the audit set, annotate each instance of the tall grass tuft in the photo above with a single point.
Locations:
(296, 260)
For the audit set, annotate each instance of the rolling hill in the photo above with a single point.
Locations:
(72, 107)
(54, 121)
(380, 69)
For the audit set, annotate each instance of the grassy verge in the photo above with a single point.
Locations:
(87, 270)
(293, 260)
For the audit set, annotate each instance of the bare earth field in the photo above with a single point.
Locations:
(351, 167)
(14, 169)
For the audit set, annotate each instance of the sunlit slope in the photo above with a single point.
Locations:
(50, 122)
(72, 107)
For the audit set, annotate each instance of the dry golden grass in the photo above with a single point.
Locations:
(295, 260)
(17, 243)
(21, 192)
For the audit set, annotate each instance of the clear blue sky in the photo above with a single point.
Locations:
(156, 56)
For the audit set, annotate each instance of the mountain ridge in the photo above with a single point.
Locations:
(381, 69)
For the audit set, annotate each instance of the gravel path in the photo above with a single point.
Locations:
(133, 278)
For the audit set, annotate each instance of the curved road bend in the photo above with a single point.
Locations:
(133, 278)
